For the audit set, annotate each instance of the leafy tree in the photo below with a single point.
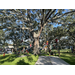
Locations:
(2, 37)
(71, 35)
(34, 20)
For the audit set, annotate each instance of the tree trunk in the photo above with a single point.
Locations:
(35, 43)
(73, 47)
(12, 50)
(36, 46)
(59, 47)
(15, 48)
(49, 49)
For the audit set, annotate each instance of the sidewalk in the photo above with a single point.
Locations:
(50, 60)
(43, 60)
(57, 61)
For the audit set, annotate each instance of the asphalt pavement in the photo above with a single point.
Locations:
(43, 60)
(50, 60)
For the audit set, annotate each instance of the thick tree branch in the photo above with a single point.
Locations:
(47, 14)
(54, 15)
(42, 28)
(28, 14)
(42, 20)
(50, 14)
(40, 31)
(63, 15)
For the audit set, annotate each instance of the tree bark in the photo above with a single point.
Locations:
(15, 48)
(36, 45)
(59, 47)
(36, 41)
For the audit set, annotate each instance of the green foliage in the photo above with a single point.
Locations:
(33, 20)
(68, 57)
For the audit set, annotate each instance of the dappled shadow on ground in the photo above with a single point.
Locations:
(3, 57)
(10, 58)
(29, 58)
(69, 59)
(44, 60)
(21, 62)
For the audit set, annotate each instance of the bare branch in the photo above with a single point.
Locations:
(50, 14)
(25, 28)
(42, 28)
(28, 13)
(45, 24)
(47, 14)
(40, 31)
(63, 15)
(54, 15)
(42, 20)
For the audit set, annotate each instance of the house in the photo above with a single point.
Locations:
(9, 47)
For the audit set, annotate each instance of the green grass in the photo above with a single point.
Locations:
(14, 60)
(62, 50)
(44, 54)
(68, 57)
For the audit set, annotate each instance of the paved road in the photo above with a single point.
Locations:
(57, 61)
(43, 60)
(50, 60)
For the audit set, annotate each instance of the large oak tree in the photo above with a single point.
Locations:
(34, 20)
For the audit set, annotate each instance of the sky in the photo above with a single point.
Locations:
(57, 25)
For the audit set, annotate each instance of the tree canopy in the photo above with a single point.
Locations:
(31, 22)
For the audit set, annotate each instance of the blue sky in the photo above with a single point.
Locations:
(57, 25)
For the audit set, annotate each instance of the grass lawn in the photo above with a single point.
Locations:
(68, 57)
(62, 50)
(14, 60)
(44, 54)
